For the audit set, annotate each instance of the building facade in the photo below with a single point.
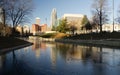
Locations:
(109, 27)
(2, 22)
(74, 19)
(43, 27)
(37, 21)
(26, 29)
(38, 29)
(2, 15)
(53, 18)
(23, 29)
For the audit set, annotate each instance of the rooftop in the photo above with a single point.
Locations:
(73, 15)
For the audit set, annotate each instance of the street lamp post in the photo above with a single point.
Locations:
(113, 15)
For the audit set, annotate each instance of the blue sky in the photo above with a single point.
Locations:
(43, 8)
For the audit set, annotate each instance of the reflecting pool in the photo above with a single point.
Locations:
(46, 58)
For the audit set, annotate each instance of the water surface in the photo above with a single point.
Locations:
(45, 58)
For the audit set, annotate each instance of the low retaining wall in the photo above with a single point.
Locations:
(115, 43)
(43, 39)
(109, 43)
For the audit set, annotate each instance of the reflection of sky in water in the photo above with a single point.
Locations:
(61, 59)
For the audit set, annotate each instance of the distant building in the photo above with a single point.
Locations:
(76, 19)
(26, 29)
(36, 29)
(2, 15)
(43, 27)
(53, 18)
(109, 27)
(19, 29)
(2, 22)
(23, 29)
(37, 21)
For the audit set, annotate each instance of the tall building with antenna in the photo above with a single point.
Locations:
(53, 18)
(38, 20)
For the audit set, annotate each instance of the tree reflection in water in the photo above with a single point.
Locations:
(44, 58)
(14, 66)
(2, 63)
(72, 52)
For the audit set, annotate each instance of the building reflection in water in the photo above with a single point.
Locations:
(26, 49)
(37, 47)
(74, 53)
(57, 56)
(53, 55)
(77, 53)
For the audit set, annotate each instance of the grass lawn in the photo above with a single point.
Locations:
(8, 42)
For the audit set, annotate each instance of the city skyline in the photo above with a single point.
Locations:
(43, 8)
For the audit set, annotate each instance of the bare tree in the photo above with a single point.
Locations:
(94, 23)
(118, 16)
(17, 11)
(1, 3)
(100, 12)
(72, 26)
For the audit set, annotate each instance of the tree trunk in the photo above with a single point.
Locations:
(100, 21)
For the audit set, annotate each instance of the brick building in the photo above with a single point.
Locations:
(43, 27)
(38, 28)
(35, 29)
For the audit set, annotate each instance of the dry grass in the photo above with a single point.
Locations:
(54, 35)
(60, 35)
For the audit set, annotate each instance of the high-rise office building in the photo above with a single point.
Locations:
(53, 18)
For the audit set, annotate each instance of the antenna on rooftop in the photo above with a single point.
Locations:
(46, 20)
